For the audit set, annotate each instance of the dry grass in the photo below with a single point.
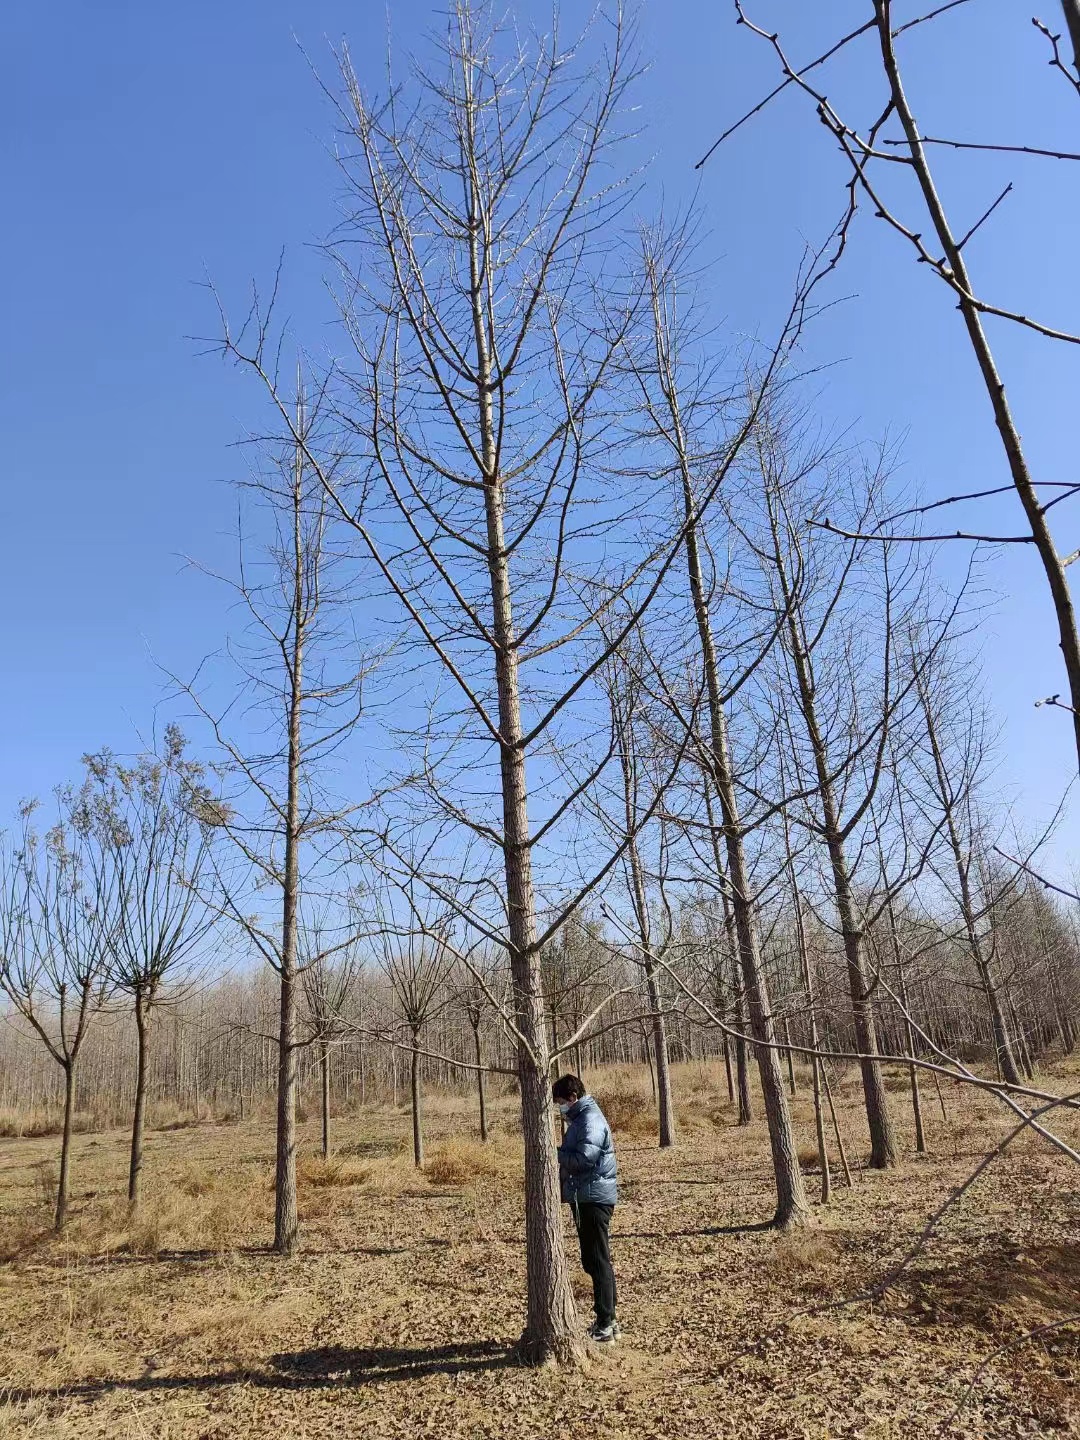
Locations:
(320, 1174)
(457, 1162)
(398, 1315)
(628, 1112)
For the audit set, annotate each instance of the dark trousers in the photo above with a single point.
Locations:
(593, 1222)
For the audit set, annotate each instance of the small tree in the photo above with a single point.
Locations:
(152, 821)
(57, 909)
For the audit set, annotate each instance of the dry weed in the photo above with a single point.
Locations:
(809, 1159)
(456, 1162)
(313, 1170)
(807, 1248)
(628, 1112)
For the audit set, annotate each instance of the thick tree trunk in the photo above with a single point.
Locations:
(138, 1124)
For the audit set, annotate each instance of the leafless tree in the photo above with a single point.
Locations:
(329, 972)
(152, 822)
(296, 677)
(414, 938)
(626, 696)
(892, 145)
(57, 907)
(486, 303)
(954, 754)
(679, 410)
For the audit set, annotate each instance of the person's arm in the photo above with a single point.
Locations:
(580, 1151)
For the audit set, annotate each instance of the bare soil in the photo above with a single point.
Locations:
(400, 1315)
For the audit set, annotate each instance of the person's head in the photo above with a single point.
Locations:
(567, 1091)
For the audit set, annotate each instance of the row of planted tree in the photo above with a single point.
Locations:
(583, 694)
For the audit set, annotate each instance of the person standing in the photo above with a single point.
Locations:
(588, 1179)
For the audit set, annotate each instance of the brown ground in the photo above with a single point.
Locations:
(399, 1316)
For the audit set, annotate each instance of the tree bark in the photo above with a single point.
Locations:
(481, 1096)
(63, 1185)
(286, 1218)
(142, 1026)
(414, 1097)
(665, 1105)
(324, 1065)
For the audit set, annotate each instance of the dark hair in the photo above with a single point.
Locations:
(567, 1087)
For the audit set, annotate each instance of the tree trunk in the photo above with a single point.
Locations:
(815, 1062)
(956, 267)
(480, 1080)
(742, 1070)
(836, 1128)
(665, 1105)
(286, 1218)
(727, 1071)
(794, 1089)
(551, 1321)
(791, 1206)
(414, 1096)
(142, 1026)
(324, 1064)
(63, 1185)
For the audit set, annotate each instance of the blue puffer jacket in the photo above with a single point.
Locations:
(587, 1169)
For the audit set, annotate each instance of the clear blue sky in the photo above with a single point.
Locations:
(148, 146)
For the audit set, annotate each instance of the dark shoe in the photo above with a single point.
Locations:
(605, 1334)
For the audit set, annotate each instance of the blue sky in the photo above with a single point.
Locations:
(149, 147)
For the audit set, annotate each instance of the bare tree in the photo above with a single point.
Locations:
(297, 682)
(954, 753)
(56, 911)
(416, 954)
(329, 973)
(678, 405)
(152, 821)
(876, 157)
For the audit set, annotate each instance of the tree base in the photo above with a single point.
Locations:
(569, 1351)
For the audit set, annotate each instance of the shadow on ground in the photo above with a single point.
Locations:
(326, 1367)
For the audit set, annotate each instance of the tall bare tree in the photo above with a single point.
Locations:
(297, 684)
